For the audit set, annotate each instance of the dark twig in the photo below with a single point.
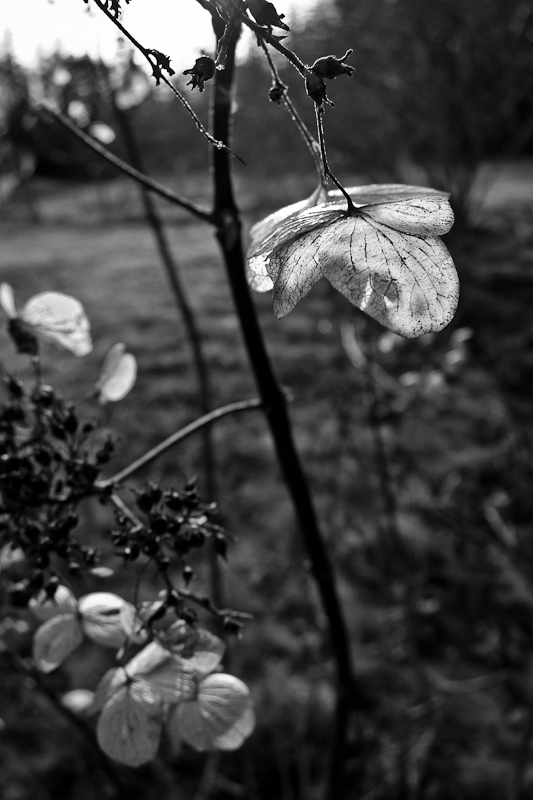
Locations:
(179, 436)
(229, 236)
(144, 180)
(160, 77)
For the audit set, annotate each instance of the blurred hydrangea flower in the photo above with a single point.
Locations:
(103, 617)
(207, 711)
(52, 315)
(384, 256)
(118, 375)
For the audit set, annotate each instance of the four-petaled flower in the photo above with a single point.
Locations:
(383, 255)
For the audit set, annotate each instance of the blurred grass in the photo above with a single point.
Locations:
(90, 241)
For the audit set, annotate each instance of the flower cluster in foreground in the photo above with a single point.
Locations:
(172, 683)
(384, 254)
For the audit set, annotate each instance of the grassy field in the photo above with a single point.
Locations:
(402, 485)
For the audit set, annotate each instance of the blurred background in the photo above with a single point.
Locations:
(419, 452)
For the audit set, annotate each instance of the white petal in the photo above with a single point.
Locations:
(63, 602)
(61, 319)
(222, 701)
(107, 619)
(168, 676)
(55, 640)
(408, 283)
(422, 216)
(78, 700)
(239, 731)
(298, 269)
(129, 727)
(7, 300)
(258, 279)
(198, 649)
(108, 685)
(118, 374)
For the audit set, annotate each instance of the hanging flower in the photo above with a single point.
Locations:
(52, 315)
(207, 711)
(384, 255)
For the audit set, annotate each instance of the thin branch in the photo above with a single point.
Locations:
(266, 35)
(119, 504)
(160, 77)
(179, 436)
(319, 110)
(144, 180)
(308, 138)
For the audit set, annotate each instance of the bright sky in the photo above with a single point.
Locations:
(179, 28)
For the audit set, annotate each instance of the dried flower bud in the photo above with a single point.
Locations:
(331, 67)
(276, 93)
(203, 70)
(316, 89)
(265, 13)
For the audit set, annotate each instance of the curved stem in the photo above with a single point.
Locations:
(274, 403)
(179, 436)
(319, 110)
(308, 138)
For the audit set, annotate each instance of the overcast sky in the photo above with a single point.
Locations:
(179, 28)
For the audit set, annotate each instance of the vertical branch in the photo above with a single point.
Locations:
(228, 222)
(184, 307)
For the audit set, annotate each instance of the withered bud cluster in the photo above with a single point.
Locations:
(265, 14)
(203, 70)
(326, 68)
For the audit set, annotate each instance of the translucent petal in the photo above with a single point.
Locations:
(129, 727)
(259, 280)
(107, 687)
(298, 269)
(407, 283)
(107, 619)
(262, 231)
(199, 649)
(118, 375)
(221, 702)
(170, 678)
(7, 300)
(63, 602)
(55, 640)
(236, 735)
(61, 319)
(291, 230)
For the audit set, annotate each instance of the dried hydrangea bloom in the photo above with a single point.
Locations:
(384, 255)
